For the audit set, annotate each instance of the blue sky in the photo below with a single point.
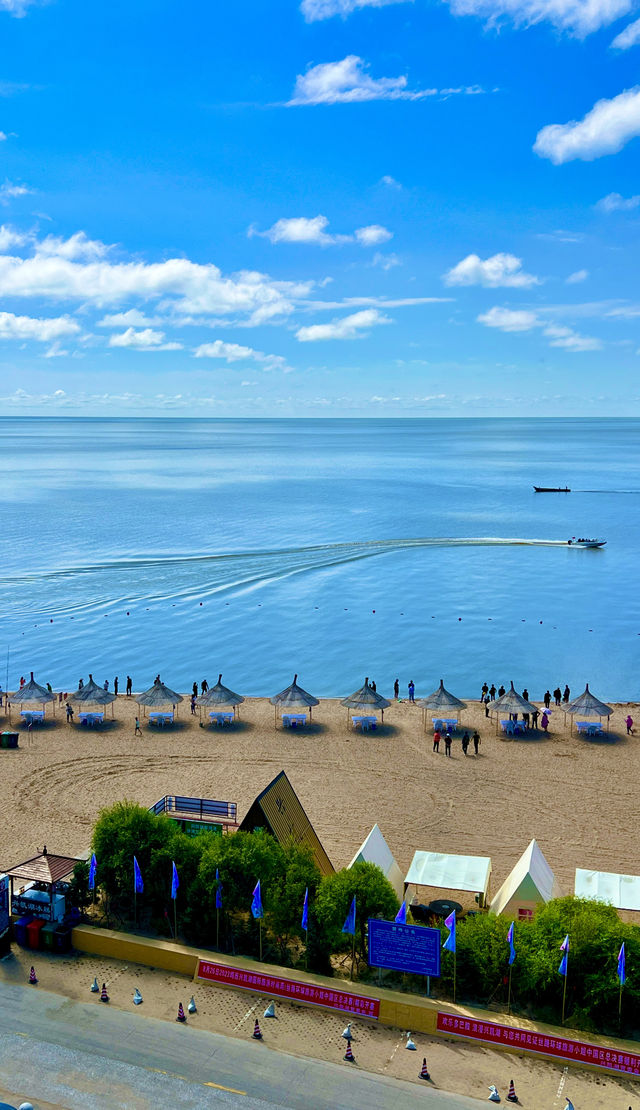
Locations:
(326, 207)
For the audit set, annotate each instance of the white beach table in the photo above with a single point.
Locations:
(292, 720)
(32, 716)
(589, 727)
(365, 723)
(221, 718)
(161, 719)
(444, 722)
(91, 719)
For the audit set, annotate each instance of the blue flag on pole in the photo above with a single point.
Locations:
(305, 910)
(401, 916)
(450, 942)
(564, 948)
(622, 974)
(218, 891)
(350, 920)
(256, 905)
(175, 881)
(512, 951)
(138, 884)
(93, 867)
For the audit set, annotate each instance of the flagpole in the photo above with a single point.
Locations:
(564, 991)
(306, 949)
(509, 997)
(455, 960)
(260, 926)
(217, 926)
(620, 1003)
(175, 920)
(353, 954)
(135, 906)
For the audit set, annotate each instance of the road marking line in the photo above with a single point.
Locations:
(231, 1090)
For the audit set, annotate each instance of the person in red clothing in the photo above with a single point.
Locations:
(436, 741)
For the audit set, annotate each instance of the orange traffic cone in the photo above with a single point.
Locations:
(256, 1031)
(104, 997)
(181, 1014)
(349, 1054)
(512, 1096)
(32, 976)
(424, 1072)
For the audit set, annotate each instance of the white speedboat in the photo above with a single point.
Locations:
(582, 542)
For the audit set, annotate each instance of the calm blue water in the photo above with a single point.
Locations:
(260, 548)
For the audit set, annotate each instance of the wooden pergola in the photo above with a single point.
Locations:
(37, 880)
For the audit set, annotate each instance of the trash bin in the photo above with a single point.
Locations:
(12, 739)
(62, 939)
(34, 928)
(46, 936)
(20, 930)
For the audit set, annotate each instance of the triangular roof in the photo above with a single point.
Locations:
(511, 702)
(294, 695)
(442, 701)
(44, 868)
(375, 849)
(92, 694)
(589, 705)
(32, 692)
(220, 695)
(365, 698)
(159, 694)
(531, 880)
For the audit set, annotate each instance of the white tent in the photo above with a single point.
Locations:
(529, 883)
(621, 891)
(376, 850)
(450, 872)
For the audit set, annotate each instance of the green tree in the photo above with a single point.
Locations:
(375, 897)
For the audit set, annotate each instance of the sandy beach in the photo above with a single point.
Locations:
(577, 796)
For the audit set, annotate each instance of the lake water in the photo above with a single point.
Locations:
(262, 548)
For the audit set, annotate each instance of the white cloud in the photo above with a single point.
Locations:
(9, 191)
(132, 318)
(498, 271)
(347, 82)
(521, 320)
(77, 246)
(385, 261)
(629, 37)
(390, 181)
(604, 130)
(29, 327)
(9, 238)
(376, 302)
(235, 352)
(579, 17)
(314, 10)
(349, 327)
(145, 340)
(578, 276)
(301, 229)
(373, 235)
(508, 319)
(613, 202)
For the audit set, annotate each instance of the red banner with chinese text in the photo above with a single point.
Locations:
(529, 1041)
(289, 988)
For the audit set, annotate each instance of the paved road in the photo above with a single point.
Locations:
(87, 1057)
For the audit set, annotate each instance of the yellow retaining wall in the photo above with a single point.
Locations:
(409, 1012)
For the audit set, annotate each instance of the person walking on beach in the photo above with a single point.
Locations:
(476, 741)
(544, 722)
(138, 730)
(412, 691)
(129, 685)
(69, 713)
(436, 741)
(193, 704)
(557, 693)
(204, 685)
(501, 692)
(106, 684)
(115, 685)
(396, 690)
(373, 686)
(547, 699)
(447, 744)
(486, 706)
(629, 724)
(525, 694)
(492, 692)
(485, 691)
(534, 718)
(194, 689)
(566, 695)
(465, 742)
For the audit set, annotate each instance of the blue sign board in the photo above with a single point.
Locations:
(411, 948)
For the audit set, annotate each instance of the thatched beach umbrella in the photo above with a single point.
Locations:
(588, 705)
(33, 694)
(511, 702)
(294, 697)
(441, 703)
(220, 695)
(158, 695)
(92, 694)
(366, 700)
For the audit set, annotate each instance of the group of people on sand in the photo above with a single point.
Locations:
(560, 697)
(446, 735)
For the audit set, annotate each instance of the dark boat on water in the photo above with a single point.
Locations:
(552, 489)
